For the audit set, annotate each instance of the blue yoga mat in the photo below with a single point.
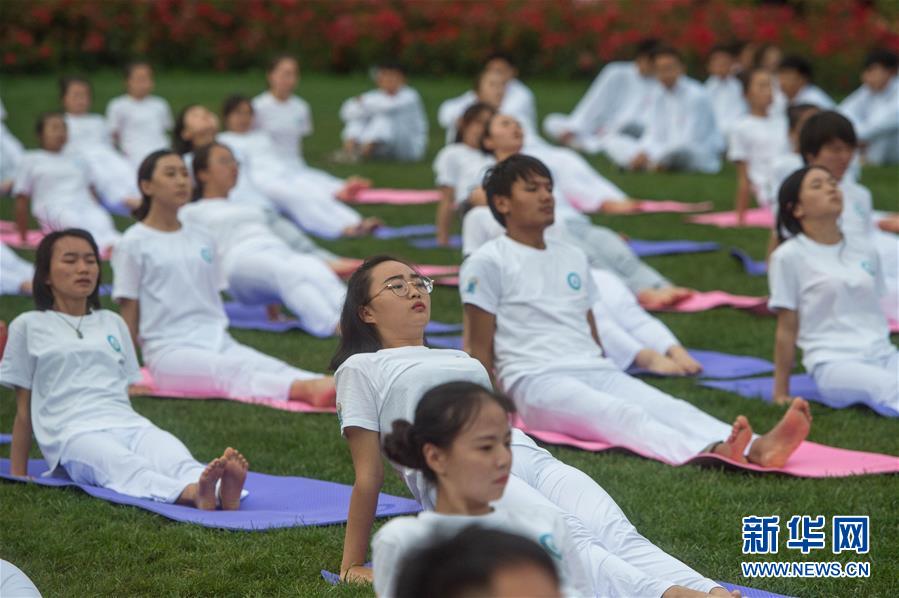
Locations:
(5, 438)
(455, 242)
(645, 248)
(404, 232)
(801, 385)
(272, 502)
(751, 266)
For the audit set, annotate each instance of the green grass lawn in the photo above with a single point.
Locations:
(73, 545)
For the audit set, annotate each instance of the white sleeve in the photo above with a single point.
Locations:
(167, 119)
(783, 280)
(132, 367)
(446, 171)
(617, 344)
(603, 97)
(576, 578)
(23, 181)
(387, 554)
(737, 150)
(305, 119)
(356, 397)
(126, 271)
(352, 109)
(479, 282)
(18, 365)
(114, 116)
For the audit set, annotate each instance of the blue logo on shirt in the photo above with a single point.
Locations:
(546, 541)
(206, 254)
(472, 285)
(114, 343)
(869, 268)
(574, 281)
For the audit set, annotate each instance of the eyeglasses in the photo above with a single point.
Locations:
(401, 287)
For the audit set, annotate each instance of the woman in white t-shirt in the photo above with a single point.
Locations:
(58, 187)
(383, 370)
(455, 159)
(89, 138)
(460, 441)
(314, 204)
(139, 122)
(259, 267)
(826, 288)
(167, 282)
(71, 363)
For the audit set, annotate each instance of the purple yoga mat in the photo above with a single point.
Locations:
(334, 579)
(455, 242)
(645, 248)
(5, 438)
(801, 385)
(273, 501)
(751, 266)
(404, 232)
(253, 317)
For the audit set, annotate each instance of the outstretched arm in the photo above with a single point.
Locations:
(784, 353)
(129, 309)
(477, 338)
(21, 434)
(445, 210)
(22, 215)
(365, 450)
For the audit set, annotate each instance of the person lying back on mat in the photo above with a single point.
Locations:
(826, 287)
(70, 363)
(167, 282)
(383, 370)
(528, 313)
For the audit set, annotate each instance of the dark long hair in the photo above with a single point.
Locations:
(179, 144)
(357, 336)
(470, 115)
(201, 162)
(42, 293)
(232, 103)
(787, 200)
(145, 173)
(442, 413)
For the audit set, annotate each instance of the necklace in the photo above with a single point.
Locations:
(77, 329)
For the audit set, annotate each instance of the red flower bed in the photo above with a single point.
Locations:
(559, 37)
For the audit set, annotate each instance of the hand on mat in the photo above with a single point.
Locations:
(682, 592)
(353, 186)
(625, 206)
(889, 224)
(363, 228)
(682, 358)
(358, 574)
(655, 362)
(719, 591)
(655, 299)
(139, 390)
(640, 162)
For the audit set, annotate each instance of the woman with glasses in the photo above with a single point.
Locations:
(384, 369)
(259, 267)
(167, 282)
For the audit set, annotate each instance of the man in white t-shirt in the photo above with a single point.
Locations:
(794, 74)
(724, 89)
(873, 108)
(528, 313)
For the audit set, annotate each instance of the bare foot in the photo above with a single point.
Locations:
(363, 228)
(774, 448)
(653, 299)
(205, 497)
(344, 266)
(318, 392)
(735, 445)
(657, 363)
(682, 358)
(233, 479)
(625, 206)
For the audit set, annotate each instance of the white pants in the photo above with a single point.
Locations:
(623, 562)
(387, 134)
(608, 405)
(883, 149)
(114, 177)
(14, 271)
(141, 461)
(575, 178)
(622, 149)
(625, 328)
(87, 215)
(309, 200)
(232, 371)
(845, 382)
(304, 283)
(14, 583)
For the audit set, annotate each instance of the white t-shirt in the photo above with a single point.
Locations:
(141, 125)
(52, 179)
(14, 271)
(176, 278)
(285, 122)
(758, 141)
(251, 150)
(401, 536)
(234, 228)
(540, 299)
(87, 130)
(77, 384)
(452, 161)
(814, 95)
(835, 289)
(726, 96)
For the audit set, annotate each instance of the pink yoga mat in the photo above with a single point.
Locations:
(702, 301)
(811, 460)
(397, 196)
(756, 217)
(447, 281)
(14, 239)
(655, 207)
(295, 406)
(433, 270)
